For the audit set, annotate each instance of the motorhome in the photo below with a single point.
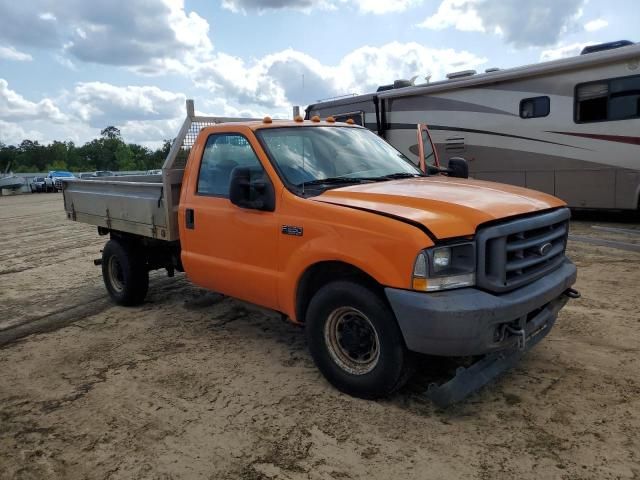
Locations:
(568, 127)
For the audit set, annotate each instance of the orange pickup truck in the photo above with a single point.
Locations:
(331, 226)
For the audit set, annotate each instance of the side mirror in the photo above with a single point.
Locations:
(458, 168)
(250, 188)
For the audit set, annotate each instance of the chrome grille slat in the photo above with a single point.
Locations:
(510, 254)
(530, 242)
(532, 260)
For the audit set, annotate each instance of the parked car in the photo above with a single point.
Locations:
(332, 227)
(54, 179)
(104, 173)
(157, 171)
(85, 176)
(38, 185)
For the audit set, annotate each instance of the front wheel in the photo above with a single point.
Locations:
(125, 273)
(355, 341)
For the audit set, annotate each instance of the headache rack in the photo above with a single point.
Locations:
(145, 205)
(517, 252)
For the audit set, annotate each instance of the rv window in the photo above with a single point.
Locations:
(356, 117)
(614, 99)
(535, 107)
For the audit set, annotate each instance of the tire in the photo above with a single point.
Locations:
(124, 273)
(355, 341)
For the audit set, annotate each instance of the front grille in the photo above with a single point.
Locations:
(515, 253)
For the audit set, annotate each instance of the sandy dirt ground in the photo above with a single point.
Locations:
(194, 385)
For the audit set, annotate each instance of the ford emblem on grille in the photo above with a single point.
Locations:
(544, 249)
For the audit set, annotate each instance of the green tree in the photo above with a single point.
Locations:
(108, 152)
(111, 133)
(124, 158)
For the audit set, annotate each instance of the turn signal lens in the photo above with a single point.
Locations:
(419, 283)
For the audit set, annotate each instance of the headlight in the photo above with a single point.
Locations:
(442, 268)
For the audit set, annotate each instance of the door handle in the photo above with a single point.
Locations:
(189, 218)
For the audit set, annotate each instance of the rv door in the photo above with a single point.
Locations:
(428, 156)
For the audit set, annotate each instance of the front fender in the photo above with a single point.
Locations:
(387, 256)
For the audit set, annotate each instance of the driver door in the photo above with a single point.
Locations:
(225, 248)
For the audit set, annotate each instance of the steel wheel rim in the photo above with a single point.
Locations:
(115, 274)
(352, 340)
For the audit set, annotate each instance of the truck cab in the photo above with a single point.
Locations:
(332, 227)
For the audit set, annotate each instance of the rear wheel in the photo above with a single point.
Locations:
(124, 272)
(355, 341)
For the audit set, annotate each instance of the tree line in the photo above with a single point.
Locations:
(109, 152)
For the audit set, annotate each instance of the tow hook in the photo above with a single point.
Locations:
(572, 293)
(520, 333)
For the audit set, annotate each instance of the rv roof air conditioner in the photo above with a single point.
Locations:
(463, 73)
(396, 84)
(605, 46)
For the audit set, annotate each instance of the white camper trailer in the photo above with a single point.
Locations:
(568, 127)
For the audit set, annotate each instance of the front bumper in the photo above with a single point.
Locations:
(469, 321)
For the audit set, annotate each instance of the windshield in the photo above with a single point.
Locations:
(62, 174)
(337, 155)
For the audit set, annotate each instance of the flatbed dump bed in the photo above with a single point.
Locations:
(127, 204)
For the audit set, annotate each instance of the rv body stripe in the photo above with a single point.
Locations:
(411, 126)
(420, 103)
(608, 138)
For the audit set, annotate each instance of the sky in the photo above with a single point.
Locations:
(69, 68)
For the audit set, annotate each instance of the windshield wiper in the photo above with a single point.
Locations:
(331, 181)
(394, 176)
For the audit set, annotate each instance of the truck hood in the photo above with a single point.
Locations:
(447, 207)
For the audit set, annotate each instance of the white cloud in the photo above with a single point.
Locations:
(15, 108)
(279, 80)
(150, 134)
(10, 53)
(144, 114)
(459, 14)
(521, 23)
(243, 6)
(47, 16)
(595, 25)
(13, 134)
(265, 86)
(562, 51)
(377, 7)
(152, 35)
(101, 104)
